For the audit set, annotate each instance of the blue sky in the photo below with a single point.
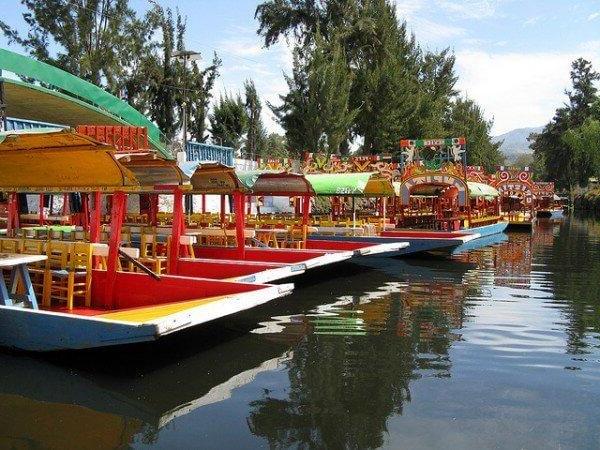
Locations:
(512, 56)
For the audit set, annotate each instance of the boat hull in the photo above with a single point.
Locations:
(488, 230)
(47, 331)
(415, 244)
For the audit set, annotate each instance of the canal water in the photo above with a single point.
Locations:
(496, 347)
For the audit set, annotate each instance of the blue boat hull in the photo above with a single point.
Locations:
(416, 245)
(487, 230)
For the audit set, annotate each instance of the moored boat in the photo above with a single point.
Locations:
(84, 303)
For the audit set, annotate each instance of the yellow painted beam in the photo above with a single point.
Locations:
(148, 313)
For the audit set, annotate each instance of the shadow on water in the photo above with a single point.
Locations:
(423, 352)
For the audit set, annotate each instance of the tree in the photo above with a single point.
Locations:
(163, 96)
(465, 118)
(256, 134)
(91, 36)
(397, 90)
(228, 121)
(275, 147)
(315, 113)
(199, 96)
(559, 143)
(584, 141)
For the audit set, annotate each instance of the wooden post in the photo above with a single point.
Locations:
(153, 219)
(203, 203)
(13, 214)
(41, 209)
(305, 213)
(176, 230)
(240, 223)
(95, 219)
(116, 224)
(222, 209)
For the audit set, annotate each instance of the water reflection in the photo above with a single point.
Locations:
(431, 352)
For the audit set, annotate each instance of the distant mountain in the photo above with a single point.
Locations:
(515, 142)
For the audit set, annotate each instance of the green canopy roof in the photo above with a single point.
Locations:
(366, 184)
(71, 101)
(482, 190)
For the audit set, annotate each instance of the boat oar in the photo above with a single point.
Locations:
(139, 265)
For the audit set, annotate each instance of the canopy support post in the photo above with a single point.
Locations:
(222, 209)
(240, 223)
(353, 216)
(176, 230)
(384, 203)
(95, 219)
(203, 203)
(153, 210)
(116, 224)
(13, 214)
(41, 210)
(305, 213)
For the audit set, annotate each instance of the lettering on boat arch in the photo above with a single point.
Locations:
(437, 179)
(509, 187)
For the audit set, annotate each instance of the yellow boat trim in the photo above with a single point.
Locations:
(149, 313)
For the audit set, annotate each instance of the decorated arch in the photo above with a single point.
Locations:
(511, 182)
(442, 180)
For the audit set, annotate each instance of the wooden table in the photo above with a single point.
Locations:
(17, 264)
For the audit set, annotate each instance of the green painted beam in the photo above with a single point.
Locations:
(82, 90)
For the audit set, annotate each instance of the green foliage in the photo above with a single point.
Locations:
(465, 118)
(256, 134)
(92, 36)
(584, 141)
(275, 147)
(396, 90)
(315, 112)
(563, 144)
(229, 121)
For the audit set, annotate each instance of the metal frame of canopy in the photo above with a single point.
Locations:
(61, 161)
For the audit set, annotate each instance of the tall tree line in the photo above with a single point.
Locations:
(568, 147)
(359, 76)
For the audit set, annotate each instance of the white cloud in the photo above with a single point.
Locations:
(242, 47)
(593, 16)
(470, 9)
(532, 21)
(517, 89)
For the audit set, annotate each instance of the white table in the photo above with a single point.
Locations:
(17, 264)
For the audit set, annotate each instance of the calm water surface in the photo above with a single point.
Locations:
(497, 347)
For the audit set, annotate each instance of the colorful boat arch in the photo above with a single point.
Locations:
(434, 179)
(71, 101)
(511, 181)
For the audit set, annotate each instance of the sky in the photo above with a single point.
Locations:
(512, 56)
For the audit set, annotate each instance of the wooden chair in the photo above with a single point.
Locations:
(10, 245)
(149, 254)
(55, 271)
(75, 280)
(295, 238)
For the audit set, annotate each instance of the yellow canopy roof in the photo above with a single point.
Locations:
(152, 170)
(54, 160)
